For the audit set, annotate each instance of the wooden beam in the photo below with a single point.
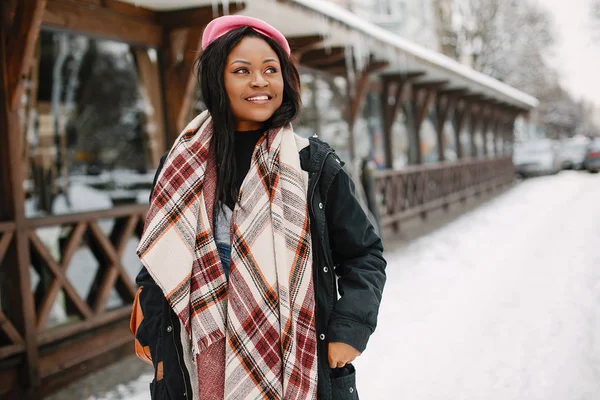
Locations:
(473, 97)
(191, 17)
(443, 105)
(462, 110)
(377, 65)
(60, 279)
(181, 48)
(495, 127)
(454, 92)
(5, 240)
(421, 98)
(411, 75)
(16, 282)
(179, 77)
(22, 40)
(150, 79)
(475, 118)
(114, 22)
(355, 98)
(300, 44)
(323, 57)
(429, 85)
(422, 105)
(488, 119)
(120, 7)
(9, 7)
(395, 89)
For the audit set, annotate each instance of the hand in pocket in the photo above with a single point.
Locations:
(340, 354)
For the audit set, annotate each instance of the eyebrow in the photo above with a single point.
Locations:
(249, 63)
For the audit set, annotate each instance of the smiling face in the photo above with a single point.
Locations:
(253, 82)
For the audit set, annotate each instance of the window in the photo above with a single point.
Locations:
(93, 123)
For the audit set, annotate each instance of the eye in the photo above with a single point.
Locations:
(271, 70)
(241, 71)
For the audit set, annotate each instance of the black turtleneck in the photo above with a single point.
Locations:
(244, 143)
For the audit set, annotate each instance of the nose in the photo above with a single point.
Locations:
(259, 81)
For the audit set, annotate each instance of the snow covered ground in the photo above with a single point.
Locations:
(503, 303)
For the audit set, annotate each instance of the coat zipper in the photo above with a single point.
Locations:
(178, 357)
(312, 197)
(318, 241)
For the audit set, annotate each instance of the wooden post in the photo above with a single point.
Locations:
(474, 122)
(16, 290)
(486, 116)
(390, 88)
(356, 97)
(512, 115)
(495, 127)
(462, 110)
(149, 73)
(182, 47)
(393, 86)
(423, 95)
(421, 99)
(21, 44)
(507, 133)
(444, 105)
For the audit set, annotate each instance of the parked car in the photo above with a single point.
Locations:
(572, 152)
(536, 157)
(592, 157)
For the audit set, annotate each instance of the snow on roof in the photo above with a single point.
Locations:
(427, 56)
(278, 13)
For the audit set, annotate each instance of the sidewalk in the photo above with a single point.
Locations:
(117, 382)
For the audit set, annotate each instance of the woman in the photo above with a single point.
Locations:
(247, 229)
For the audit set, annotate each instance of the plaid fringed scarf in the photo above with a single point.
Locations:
(266, 311)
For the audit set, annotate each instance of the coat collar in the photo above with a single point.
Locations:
(311, 157)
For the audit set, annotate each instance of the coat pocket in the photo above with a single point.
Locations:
(158, 390)
(343, 383)
(158, 386)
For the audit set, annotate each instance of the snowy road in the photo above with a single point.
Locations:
(501, 304)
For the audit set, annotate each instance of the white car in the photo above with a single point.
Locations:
(572, 152)
(536, 157)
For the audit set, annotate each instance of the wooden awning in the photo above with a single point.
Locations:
(362, 43)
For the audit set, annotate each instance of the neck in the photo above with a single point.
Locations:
(248, 126)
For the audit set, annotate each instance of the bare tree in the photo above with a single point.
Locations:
(510, 41)
(595, 15)
(506, 39)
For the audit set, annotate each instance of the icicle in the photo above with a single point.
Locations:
(224, 4)
(215, 8)
(323, 25)
(225, 7)
(350, 72)
(81, 44)
(63, 53)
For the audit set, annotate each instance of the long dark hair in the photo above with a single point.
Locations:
(211, 71)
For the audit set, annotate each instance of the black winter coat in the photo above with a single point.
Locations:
(345, 246)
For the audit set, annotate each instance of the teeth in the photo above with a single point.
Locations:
(259, 98)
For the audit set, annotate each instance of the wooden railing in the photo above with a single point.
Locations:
(91, 326)
(405, 193)
(55, 242)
